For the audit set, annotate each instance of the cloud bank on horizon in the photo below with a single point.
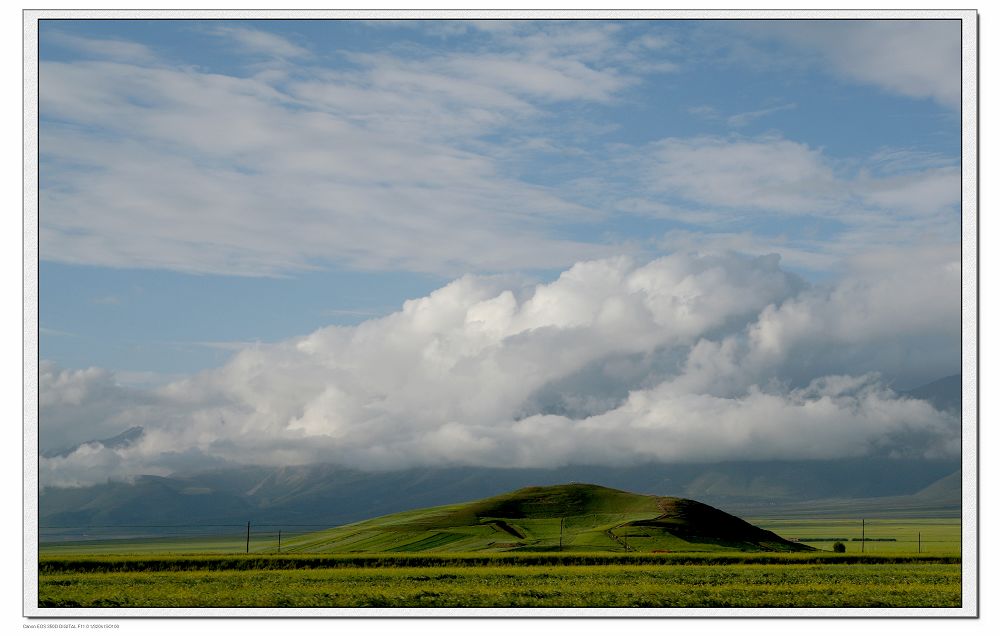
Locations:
(690, 357)
(685, 241)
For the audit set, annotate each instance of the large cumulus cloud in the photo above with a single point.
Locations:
(690, 357)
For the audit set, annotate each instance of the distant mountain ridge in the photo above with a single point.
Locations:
(944, 394)
(328, 494)
(122, 440)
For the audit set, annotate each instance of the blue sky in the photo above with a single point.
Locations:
(518, 243)
(598, 135)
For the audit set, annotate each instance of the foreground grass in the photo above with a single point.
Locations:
(695, 582)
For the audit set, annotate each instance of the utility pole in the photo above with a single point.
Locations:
(279, 541)
(862, 535)
(248, 537)
(560, 533)
(918, 543)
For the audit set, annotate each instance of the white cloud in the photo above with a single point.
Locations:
(742, 119)
(388, 151)
(809, 423)
(412, 161)
(260, 42)
(894, 197)
(45, 331)
(891, 295)
(915, 58)
(704, 110)
(102, 49)
(684, 358)
(546, 78)
(922, 193)
(771, 174)
(737, 120)
(808, 255)
(77, 406)
(207, 173)
(392, 159)
(392, 162)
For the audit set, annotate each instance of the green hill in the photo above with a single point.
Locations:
(571, 517)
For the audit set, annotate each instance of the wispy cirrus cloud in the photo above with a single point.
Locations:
(764, 173)
(737, 120)
(103, 48)
(384, 164)
(58, 333)
(761, 193)
(914, 58)
(422, 159)
(209, 181)
(259, 42)
(771, 175)
(742, 119)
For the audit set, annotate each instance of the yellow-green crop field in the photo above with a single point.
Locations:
(508, 580)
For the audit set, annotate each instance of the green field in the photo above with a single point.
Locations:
(587, 533)
(510, 580)
(566, 546)
(151, 545)
(933, 535)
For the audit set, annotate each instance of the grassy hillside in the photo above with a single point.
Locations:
(573, 517)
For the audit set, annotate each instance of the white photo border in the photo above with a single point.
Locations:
(970, 311)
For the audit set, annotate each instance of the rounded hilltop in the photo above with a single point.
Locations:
(566, 517)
